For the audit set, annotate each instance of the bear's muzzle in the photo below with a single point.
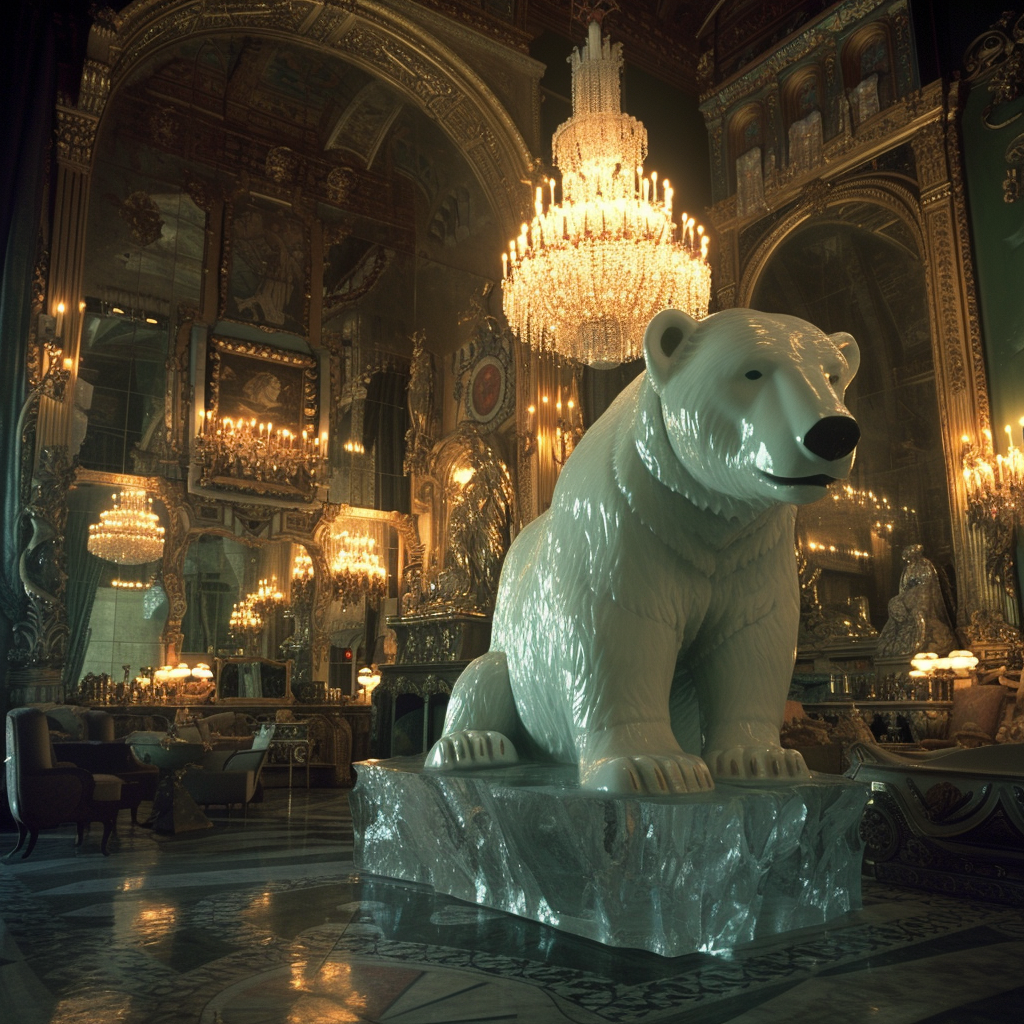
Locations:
(833, 437)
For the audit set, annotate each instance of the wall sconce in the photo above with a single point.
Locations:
(995, 490)
(557, 427)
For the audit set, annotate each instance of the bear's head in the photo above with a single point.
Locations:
(752, 404)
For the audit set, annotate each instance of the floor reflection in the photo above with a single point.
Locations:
(264, 921)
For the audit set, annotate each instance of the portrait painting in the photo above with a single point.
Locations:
(267, 265)
(258, 382)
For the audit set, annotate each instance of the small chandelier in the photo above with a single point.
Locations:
(129, 533)
(585, 276)
(356, 569)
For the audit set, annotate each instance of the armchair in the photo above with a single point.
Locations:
(230, 777)
(43, 793)
(99, 753)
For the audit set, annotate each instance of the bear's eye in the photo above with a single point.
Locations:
(753, 374)
(833, 379)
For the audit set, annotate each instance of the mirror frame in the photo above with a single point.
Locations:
(288, 698)
(190, 516)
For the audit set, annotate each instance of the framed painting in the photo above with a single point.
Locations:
(266, 272)
(259, 425)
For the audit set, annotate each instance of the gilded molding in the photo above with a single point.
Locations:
(76, 136)
(893, 196)
(975, 345)
(929, 146)
(946, 297)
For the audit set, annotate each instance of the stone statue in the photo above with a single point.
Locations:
(646, 624)
(917, 614)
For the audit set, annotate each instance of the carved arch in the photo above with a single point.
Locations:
(369, 34)
(897, 198)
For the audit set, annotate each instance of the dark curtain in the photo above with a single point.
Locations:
(83, 579)
(599, 388)
(385, 421)
(29, 77)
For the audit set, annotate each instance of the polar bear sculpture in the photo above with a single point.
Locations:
(645, 626)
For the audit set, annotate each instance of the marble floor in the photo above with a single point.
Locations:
(263, 920)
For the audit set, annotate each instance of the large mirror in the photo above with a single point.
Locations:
(117, 614)
(856, 267)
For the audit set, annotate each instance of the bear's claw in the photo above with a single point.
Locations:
(757, 764)
(472, 748)
(650, 774)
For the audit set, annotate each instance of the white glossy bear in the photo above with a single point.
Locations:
(646, 624)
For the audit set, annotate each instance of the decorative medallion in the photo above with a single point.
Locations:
(486, 394)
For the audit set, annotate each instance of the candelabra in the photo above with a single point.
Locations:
(248, 450)
(995, 498)
(557, 428)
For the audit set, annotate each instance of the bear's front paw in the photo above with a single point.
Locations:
(472, 748)
(757, 764)
(650, 774)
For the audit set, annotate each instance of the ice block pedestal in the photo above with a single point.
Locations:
(669, 875)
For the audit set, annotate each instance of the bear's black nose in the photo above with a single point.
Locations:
(833, 437)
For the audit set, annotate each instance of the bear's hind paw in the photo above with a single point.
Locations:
(471, 748)
(757, 764)
(650, 774)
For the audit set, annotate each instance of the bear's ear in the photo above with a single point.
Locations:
(847, 344)
(664, 343)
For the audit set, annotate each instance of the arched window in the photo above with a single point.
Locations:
(867, 71)
(746, 149)
(802, 94)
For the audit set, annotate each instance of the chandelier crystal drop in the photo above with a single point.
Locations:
(129, 533)
(585, 276)
(356, 569)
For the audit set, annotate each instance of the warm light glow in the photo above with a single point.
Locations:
(463, 475)
(129, 533)
(586, 275)
(250, 615)
(886, 515)
(250, 450)
(120, 584)
(993, 481)
(356, 569)
(368, 679)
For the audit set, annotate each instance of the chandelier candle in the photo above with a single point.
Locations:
(585, 277)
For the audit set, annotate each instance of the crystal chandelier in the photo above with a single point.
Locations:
(129, 533)
(356, 569)
(586, 275)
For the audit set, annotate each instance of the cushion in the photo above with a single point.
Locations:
(68, 720)
(982, 705)
(108, 788)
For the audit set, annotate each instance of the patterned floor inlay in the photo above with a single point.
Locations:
(263, 920)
